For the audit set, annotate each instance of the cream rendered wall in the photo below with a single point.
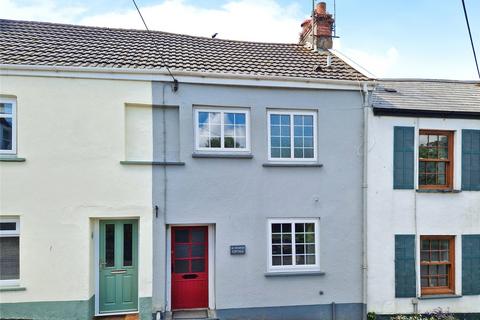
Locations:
(392, 212)
(72, 134)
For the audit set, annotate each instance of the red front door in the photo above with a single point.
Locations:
(189, 267)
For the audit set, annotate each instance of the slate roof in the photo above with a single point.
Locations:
(52, 44)
(434, 96)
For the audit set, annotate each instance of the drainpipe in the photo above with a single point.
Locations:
(364, 202)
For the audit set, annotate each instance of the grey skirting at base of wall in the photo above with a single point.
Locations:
(63, 310)
(341, 311)
(459, 316)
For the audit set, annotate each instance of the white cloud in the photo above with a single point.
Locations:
(39, 10)
(260, 20)
(378, 64)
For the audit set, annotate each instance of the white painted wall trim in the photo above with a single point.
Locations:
(182, 77)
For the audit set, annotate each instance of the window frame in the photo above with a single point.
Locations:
(449, 171)
(14, 125)
(451, 276)
(11, 234)
(292, 113)
(222, 110)
(294, 267)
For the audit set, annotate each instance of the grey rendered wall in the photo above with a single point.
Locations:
(238, 195)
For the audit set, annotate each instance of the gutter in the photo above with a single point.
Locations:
(161, 74)
(397, 112)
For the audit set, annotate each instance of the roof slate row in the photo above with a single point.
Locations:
(52, 44)
(447, 96)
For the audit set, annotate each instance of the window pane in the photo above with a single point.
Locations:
(6, 132)
(310, 259)
(287, 260)
(276, 227)
(277, 260)
(423, 140)
(110, 245)
(181, 266)
(280, 136)
(127, 244)
(8, 226)
(181, 236)
(209, 129)
(198, 235)
(234, 130)
(6, 108)
(303, 141)
(181, 250)
(9, 258)
(198, 251)
(198, 265)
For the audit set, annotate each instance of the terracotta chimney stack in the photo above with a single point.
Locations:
(321, 37)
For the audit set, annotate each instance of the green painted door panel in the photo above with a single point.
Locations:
(118, 266)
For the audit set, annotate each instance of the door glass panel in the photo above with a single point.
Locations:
(198, 235)
(127, 244)
(181, 266)
(181, 236)
(181, 251)
(110, 245)
(198, 251)
(198, 265)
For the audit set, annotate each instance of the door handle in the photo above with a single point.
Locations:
(118, 271)
(190, 276)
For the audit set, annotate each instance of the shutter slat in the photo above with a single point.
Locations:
(403, 157)
(471, 160)
(471, 264)
(405, 276)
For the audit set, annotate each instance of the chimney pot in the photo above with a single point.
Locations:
(321, 8)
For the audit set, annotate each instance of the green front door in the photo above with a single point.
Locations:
(118, 266)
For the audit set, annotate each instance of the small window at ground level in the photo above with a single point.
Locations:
(293, 244)
(222, 130)
(437, 264)
(292, 135)
(435, 167)
(9, 251)
(7, 126)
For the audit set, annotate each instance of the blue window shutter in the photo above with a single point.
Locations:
(471, 264)
(471, 160)
(403, 157)
(405, 276)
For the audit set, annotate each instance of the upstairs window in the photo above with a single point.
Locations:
(292, 135)
(435, 168)
(9, 251)
(437, 264)
(222, 130)
(8, 126)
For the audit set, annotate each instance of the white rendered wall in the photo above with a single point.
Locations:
(392, 212)
(72, 134)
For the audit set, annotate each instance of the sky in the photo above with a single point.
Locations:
(389, 38)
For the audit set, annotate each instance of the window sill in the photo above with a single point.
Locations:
(222, 155)
(293, 165)
(12, 288)
(293, 273)
(11, 158)
(154, 163)
(439, 296)
(438, 191)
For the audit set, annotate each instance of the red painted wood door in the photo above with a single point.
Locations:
(189, 267)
